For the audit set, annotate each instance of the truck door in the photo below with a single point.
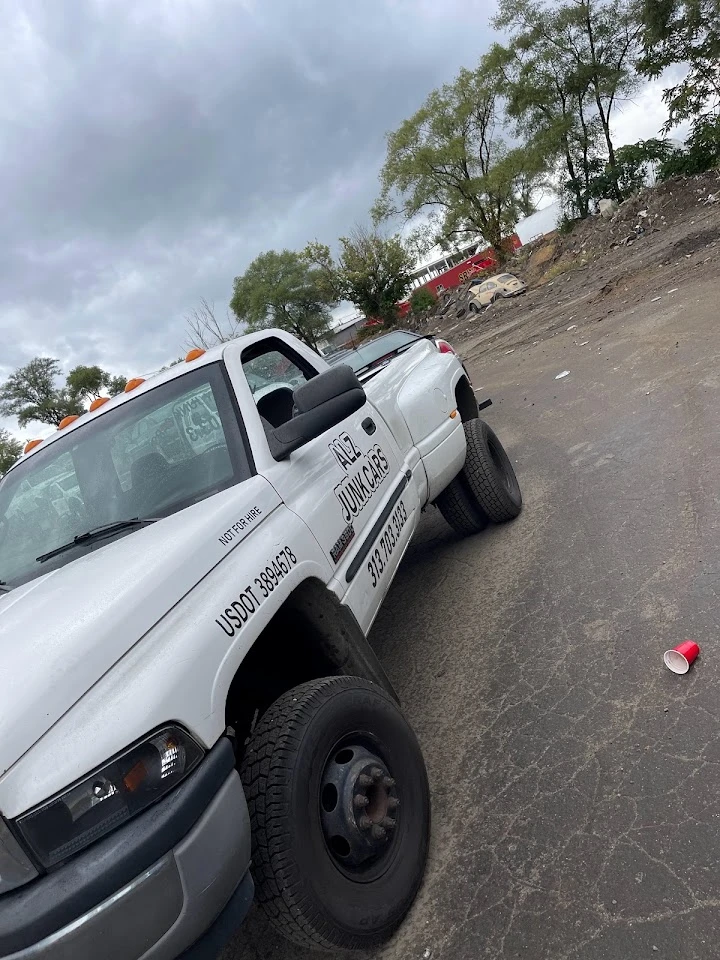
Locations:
(349, 485)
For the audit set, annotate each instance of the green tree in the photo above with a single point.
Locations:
(422, 299)
(568, 64)
(87, 383)
(551, 108)
(451, 162)
(372, 271)
(701, 153)
(633, 166)
(10, 450)
(684, 32)
(282, 289)
(31, 392)
(173, 363)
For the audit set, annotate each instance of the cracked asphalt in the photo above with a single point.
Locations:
(575, 781)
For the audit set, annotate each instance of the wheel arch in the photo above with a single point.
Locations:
(465, 400)
(312, 635)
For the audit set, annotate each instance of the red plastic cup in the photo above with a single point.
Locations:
(680, 658)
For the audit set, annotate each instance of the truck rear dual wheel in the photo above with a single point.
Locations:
(486, 489)
(340, 812)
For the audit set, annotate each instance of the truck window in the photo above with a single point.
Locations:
(178, 431)
(162, 451)
(273, 370)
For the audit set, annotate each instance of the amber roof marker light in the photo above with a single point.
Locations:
(66, 421)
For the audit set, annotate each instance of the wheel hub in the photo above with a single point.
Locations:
(359, 807)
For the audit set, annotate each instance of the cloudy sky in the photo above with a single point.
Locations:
(149, 149)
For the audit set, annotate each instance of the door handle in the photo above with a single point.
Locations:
(368, 426)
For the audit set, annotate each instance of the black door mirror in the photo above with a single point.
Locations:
(320, 404)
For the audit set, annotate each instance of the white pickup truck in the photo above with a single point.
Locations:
(190, 711)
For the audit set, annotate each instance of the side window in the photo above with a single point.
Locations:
(490, 286)
(273, 371)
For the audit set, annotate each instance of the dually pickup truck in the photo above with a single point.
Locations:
(190, 712)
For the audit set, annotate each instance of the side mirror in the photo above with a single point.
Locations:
(320, 404)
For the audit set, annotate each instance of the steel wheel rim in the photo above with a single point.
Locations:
(359, 809)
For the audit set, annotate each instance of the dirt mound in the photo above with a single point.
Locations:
(544, 254)
(652, 210)
(696, 241)
(657, 221)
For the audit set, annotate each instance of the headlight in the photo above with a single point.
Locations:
(111, 796)
(15, 866)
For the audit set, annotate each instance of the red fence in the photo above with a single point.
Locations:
(485, 260)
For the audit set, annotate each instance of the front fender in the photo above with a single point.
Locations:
(181, 670)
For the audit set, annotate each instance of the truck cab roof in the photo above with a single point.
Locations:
(142, 384)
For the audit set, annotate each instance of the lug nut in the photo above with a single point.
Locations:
(365, 822)
(378, 832)
(388, 782)
(388, 823)
(393, 803)
(360, 801)
(364, 780)
(376, 773)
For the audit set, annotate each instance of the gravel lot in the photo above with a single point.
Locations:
(575, 781)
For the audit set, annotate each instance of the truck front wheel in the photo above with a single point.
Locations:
(340, 810)
(485, 489)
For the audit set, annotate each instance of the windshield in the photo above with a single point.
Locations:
(366, 355)
(164, 450)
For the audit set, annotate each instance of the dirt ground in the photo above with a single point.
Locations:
(591, 274)
(575, 781)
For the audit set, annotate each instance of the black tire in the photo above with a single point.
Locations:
(458, 506)
(473, 308)
(298, 752)
(485, 489)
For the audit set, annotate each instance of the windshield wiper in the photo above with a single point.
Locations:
(97, 533)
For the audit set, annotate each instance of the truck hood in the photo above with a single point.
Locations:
(61, 632)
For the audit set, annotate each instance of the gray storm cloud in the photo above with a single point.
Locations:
(150, 150)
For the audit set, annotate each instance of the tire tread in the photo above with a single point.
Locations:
(478, 493)
(267, 773)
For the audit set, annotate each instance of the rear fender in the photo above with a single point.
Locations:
(427, 399)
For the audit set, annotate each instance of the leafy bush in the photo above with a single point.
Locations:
(633, 166)
(567, 224)
(422, 299)
(702, 152)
